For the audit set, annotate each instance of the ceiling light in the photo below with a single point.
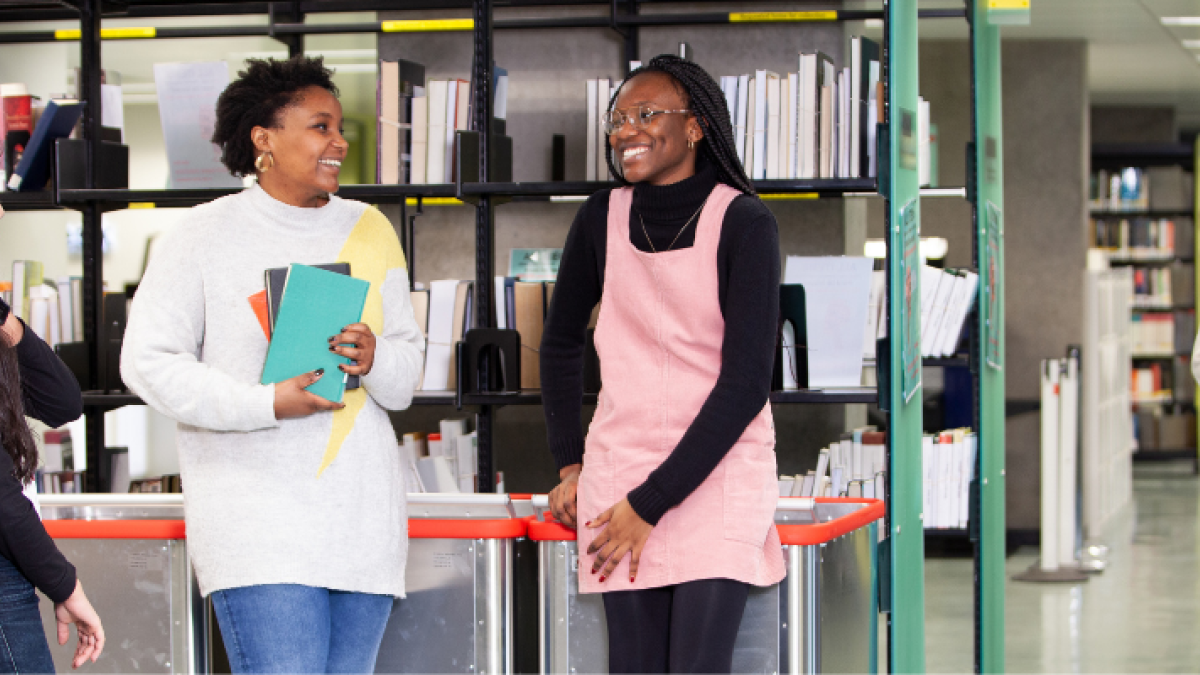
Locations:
(1181, 20)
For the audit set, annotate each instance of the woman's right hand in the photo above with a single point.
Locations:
(77, 610)
(562, 498)
(291, 399)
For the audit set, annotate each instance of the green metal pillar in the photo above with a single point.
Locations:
(905, 549)
(988, 523)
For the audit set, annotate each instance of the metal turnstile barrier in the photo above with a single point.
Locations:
(458, 616)
(823, 617)
(130, 552)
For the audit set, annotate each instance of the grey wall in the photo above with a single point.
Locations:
(1046, 146)
(547, 70)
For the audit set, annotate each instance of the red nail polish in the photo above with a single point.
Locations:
(602, 579)
(594, 570)
(588, 524)
(631, 579)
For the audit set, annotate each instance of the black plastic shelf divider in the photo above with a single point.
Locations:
(27, 201)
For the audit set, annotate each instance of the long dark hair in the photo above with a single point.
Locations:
(14, 431)
(706, 100)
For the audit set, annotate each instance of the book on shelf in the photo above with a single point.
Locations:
(449, 317)
(56, 121)
(316, 304)
(837, 297)
(947, 300)
(16, 126)
(400, 84)
(1152, 288)
(1125, 189)
(1152, 334)
(1136, 238)
(815, 122)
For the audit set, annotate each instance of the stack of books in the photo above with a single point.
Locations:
(418, 119)
(52, 308)
(817, 122)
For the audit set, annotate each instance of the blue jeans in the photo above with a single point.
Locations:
(23, 646)
(288, 628)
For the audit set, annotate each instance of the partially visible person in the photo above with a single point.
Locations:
(296, 506)
(34, 382)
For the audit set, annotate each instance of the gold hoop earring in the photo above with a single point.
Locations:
(259, 164)
(691, 144)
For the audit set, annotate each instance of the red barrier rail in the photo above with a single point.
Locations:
(418, 528)
(790, 535)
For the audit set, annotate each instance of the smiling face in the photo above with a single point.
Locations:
(308, 149)
(659, 153)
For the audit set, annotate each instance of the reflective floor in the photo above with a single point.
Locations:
(1141, 615)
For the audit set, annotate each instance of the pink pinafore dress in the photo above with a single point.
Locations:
(659, 338)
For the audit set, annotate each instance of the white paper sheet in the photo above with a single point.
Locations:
(836, 294)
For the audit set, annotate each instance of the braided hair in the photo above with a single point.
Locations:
(707, 102)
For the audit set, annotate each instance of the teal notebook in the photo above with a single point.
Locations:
(316, 305)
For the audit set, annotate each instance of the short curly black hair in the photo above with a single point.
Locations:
(255, 99)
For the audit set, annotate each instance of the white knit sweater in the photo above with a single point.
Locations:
(260, 508)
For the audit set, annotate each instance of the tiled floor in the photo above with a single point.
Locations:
(1141, 615)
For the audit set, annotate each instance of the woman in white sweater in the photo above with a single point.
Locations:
(295, 506)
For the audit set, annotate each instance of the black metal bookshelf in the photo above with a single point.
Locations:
(285, 23)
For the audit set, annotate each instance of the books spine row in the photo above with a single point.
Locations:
(1137, 238)
(1153, 334)
(52, 308)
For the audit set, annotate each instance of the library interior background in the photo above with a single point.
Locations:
(977, 475)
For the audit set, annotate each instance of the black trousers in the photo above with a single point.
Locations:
(687, 628)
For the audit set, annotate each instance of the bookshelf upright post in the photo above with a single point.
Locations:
(987, 346)
(900, 396)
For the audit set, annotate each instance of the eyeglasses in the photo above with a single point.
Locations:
(640, 117)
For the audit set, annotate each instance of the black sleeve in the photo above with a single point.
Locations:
(751, 310)
(23, 540)
(49, 391)
(576, 292)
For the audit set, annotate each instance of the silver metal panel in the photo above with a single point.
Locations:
(143, 592)
(433, 629)
(574, 635)
(493, 611)
(459, 506)
(757, 647)
(849, 620)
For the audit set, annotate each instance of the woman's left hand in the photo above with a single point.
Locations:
(361, 350)
(626, 532)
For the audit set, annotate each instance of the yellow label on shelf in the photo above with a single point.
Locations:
(759, 17)
(109, 34)
(785, 196)
(141, 205)
(435, 201)
(427, 25)
(1008, 4)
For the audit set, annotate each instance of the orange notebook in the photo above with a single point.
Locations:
(258, 302)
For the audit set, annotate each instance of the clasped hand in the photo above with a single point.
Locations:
(624, 530)
(357, 343)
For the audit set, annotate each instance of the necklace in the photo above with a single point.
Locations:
(685, 226)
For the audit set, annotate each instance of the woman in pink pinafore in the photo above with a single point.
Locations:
(674, 488)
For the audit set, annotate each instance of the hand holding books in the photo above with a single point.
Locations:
(292, 399)
(357, 343)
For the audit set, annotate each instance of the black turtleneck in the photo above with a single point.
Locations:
(748, 274)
